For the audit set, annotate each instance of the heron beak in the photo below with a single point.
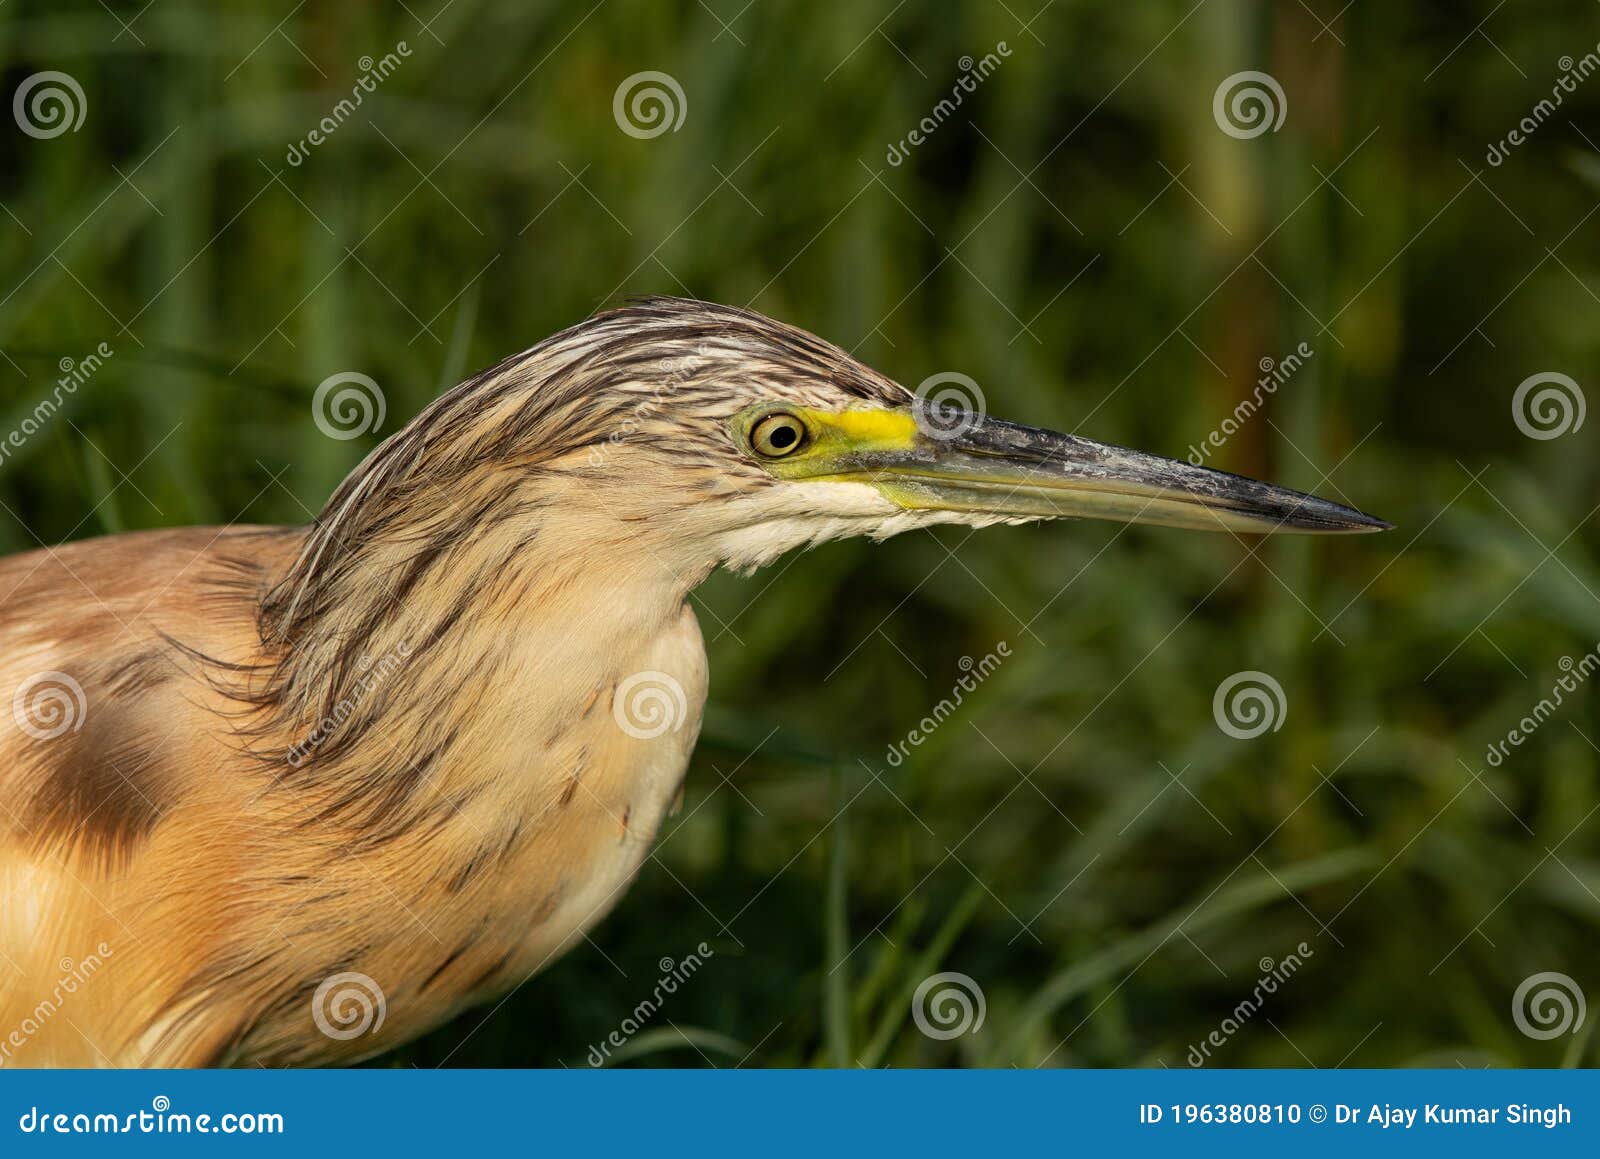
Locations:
(972, 463)
(959, 461)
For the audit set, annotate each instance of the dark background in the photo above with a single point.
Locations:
(1080, 237)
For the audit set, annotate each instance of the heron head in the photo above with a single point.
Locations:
(694, 435)
(753, 437)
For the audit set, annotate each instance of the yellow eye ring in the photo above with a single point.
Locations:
(777, 435)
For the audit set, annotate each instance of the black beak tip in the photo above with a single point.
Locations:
(1366, 526)
(1361, 521)
(1336, 517)
(1297, 511)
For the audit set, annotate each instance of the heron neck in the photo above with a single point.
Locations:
(428, 646)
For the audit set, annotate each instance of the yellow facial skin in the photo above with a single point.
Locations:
(874, 445)
(840, 445)
(831, 436)
(1003, 470)
(860, 445)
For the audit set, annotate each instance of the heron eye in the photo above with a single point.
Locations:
(777, 435)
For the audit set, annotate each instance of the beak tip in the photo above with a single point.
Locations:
(1317, 516)
(1337, 519)
(1364, 524)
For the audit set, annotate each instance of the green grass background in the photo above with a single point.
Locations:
(484, 197)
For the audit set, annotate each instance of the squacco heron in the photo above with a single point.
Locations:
(248, 762)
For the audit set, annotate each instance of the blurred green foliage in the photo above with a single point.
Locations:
(1080, 238)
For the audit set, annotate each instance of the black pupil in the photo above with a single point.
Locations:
(782, 436)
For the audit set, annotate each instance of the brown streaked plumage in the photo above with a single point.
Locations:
(249, 760)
